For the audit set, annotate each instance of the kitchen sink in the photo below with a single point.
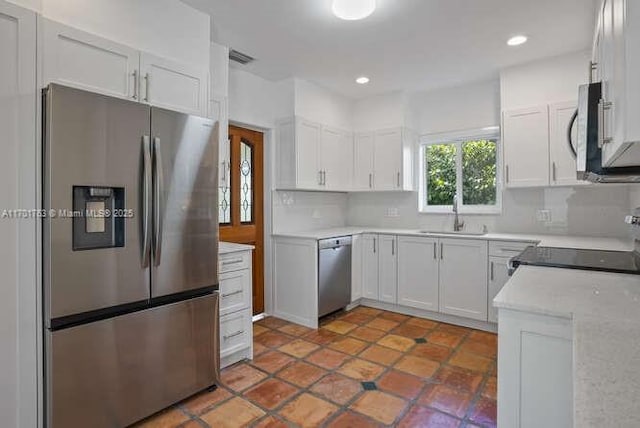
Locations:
(451, 232)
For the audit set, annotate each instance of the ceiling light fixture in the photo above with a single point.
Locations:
(352, 10)
(517, 40)
(362, 80)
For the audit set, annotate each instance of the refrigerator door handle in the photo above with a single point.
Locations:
(146, 200)
(158, 188)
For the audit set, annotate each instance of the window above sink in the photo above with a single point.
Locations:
(464, 164)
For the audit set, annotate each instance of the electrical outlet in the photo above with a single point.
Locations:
(392, 212)
(543, 216)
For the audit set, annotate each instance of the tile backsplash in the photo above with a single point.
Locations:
(596, 210)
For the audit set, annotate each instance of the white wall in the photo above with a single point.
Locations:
(257, 101)
(381, 112)
(321, 105)
(545, 81)
(167, 28)
(471, 106)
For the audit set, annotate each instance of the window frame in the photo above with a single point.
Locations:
(458, 138)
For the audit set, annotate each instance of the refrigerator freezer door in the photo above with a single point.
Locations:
(114, 372)
(94, 141)
(185, 255)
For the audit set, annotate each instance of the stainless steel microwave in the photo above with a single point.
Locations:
(590, 139)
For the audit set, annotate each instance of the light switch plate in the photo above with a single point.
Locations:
(543, 216)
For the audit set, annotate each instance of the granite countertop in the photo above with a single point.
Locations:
(613, 244)
(232, 247)
(605, 313)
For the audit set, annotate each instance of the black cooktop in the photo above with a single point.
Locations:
(571, 258)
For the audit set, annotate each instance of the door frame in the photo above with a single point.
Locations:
(268, 142)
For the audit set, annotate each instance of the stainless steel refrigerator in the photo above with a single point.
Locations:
(130, 250)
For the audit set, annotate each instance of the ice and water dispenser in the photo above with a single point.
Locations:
(97, 219)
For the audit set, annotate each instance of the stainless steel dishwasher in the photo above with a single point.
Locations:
(334, 274)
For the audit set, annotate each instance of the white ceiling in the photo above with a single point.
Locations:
(404, 45)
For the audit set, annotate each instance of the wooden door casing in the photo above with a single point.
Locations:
(251, 233)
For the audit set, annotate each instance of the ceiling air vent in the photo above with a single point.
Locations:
(239, 57)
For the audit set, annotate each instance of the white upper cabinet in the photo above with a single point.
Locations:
(363, 163)
(563, 161)
(463, 278)
(388, 268)
(526, 147)
(307, 148)
(172, 85)
(336, 151)
(418, 272)
(390, 152)
(75, 58)
(311, 156)
(388, 160)
(619, 25)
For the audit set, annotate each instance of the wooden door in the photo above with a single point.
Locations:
(241, 201)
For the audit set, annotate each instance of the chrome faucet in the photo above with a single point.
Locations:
(458, 224)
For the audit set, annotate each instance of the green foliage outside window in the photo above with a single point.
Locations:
(441, 173)
(479, 163)
(479, 172)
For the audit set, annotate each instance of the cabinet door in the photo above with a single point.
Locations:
(418, 272)
(388, 160)
(356, 267)
(535, 362)
(337, 159)
(607, 76)
(526, 147)
(370, 266)
(18, 336)
(218, 111)
(498, 277)
(363, 161)
(563, 162)
(463, 278)
(172, 85)
(388, 268)
(307, 142)
(74, 58)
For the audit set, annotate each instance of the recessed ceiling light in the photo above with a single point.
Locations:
(362, 80)
(352, 10)
(517, 40)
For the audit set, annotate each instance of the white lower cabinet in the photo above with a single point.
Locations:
(370, 286)
(388, 269)
(236, 330)
(418, 269)
(356, 267)
(535, 382)
(463, 278)
(498, 277)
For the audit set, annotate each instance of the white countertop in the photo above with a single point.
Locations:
(614, 244)
(605, 312)
(232, 247)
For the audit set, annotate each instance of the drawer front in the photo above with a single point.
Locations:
(235, 291)
(507, 249)
(235, 332)
(234, 261)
